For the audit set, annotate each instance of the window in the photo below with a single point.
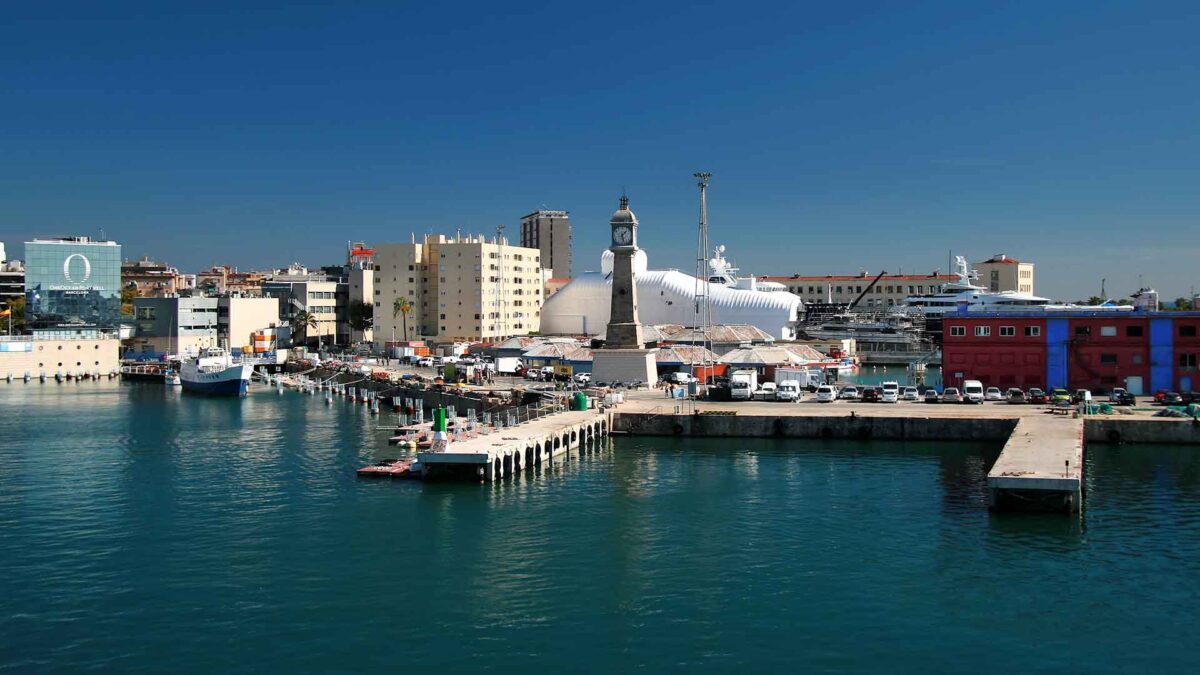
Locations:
(958, 331)
(983, 331)
(1108, 331)
(1033, 331)
(1008, 331)
(1187, 331)
(1133, 331)
(1083, 330)
(1136, 359)
(1108, 359)
(1187, 361)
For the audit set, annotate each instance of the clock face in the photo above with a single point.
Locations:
(622, 236)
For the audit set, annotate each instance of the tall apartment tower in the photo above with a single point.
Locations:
(550, 233)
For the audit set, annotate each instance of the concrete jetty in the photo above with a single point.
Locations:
(1040, 468)
(508, 451)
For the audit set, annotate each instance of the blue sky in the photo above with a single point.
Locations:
(841, 136)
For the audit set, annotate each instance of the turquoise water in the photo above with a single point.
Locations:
(141, 530)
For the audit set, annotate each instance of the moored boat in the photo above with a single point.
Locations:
(214, 372)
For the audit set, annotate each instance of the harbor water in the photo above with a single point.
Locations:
(144, 530)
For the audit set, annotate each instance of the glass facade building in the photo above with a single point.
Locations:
(72, 286)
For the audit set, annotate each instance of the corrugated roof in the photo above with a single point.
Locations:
(721, 334)
(678, 355)
(770, 355)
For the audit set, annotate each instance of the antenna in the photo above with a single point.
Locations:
(702, 316)
(1103, 297)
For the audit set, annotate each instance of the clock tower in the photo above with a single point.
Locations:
(624, 330)
(624, 357)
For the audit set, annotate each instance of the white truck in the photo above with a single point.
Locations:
(804, 378)
(742, 384)
(508, 365)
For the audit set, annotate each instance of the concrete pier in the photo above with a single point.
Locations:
(1040, 468)
(512, 450)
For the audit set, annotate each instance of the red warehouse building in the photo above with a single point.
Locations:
(1140, 351)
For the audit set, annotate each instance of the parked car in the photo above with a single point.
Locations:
(1115, 394)
(1060, 395)
(910, 394)
(870, 395)
(1016, 396)
(993, 394)
(826, 394)
(1081, 395)
(932, 396)
(583, 379)
(425, 362)
(1125, 398)
(766, 391)
(1172, 398)
(1036, 395)
(951, 395)
(850, 393)
(889, 395)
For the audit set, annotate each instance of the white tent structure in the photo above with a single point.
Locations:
(665, 297)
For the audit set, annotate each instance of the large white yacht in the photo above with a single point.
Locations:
(980, 299)
(977, 298)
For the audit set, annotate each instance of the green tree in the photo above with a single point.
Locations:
(1094, 300)
(1182, 304)
(401, 307)
(17, 307)
(127, 295)
(361, 315)
(301, 322)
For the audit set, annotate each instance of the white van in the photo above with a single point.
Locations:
(826, 394)
(972, 391)
(789, 390)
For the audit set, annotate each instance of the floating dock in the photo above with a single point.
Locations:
(1040, 468)
(511, 450)
(399, 469)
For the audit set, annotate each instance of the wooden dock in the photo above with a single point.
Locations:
(491, 457)
(1041, 466)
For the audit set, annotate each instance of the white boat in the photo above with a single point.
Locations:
(978, 298)
(721, 271)
(891, 328)
(215, 372)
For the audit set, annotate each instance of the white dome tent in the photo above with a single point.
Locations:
(664, 297)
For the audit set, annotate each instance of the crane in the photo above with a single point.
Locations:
(865, 291)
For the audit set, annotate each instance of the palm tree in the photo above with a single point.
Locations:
(301, 322)
(401, 306)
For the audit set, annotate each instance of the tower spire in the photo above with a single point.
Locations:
(624, 201)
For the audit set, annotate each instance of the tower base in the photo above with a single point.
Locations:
(624, 365)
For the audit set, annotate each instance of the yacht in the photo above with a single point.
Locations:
(215, 372)
(892, 327)
(720, 271)
(976, 298)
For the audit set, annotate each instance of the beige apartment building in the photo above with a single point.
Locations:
(459, 288)
(1002, 273)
